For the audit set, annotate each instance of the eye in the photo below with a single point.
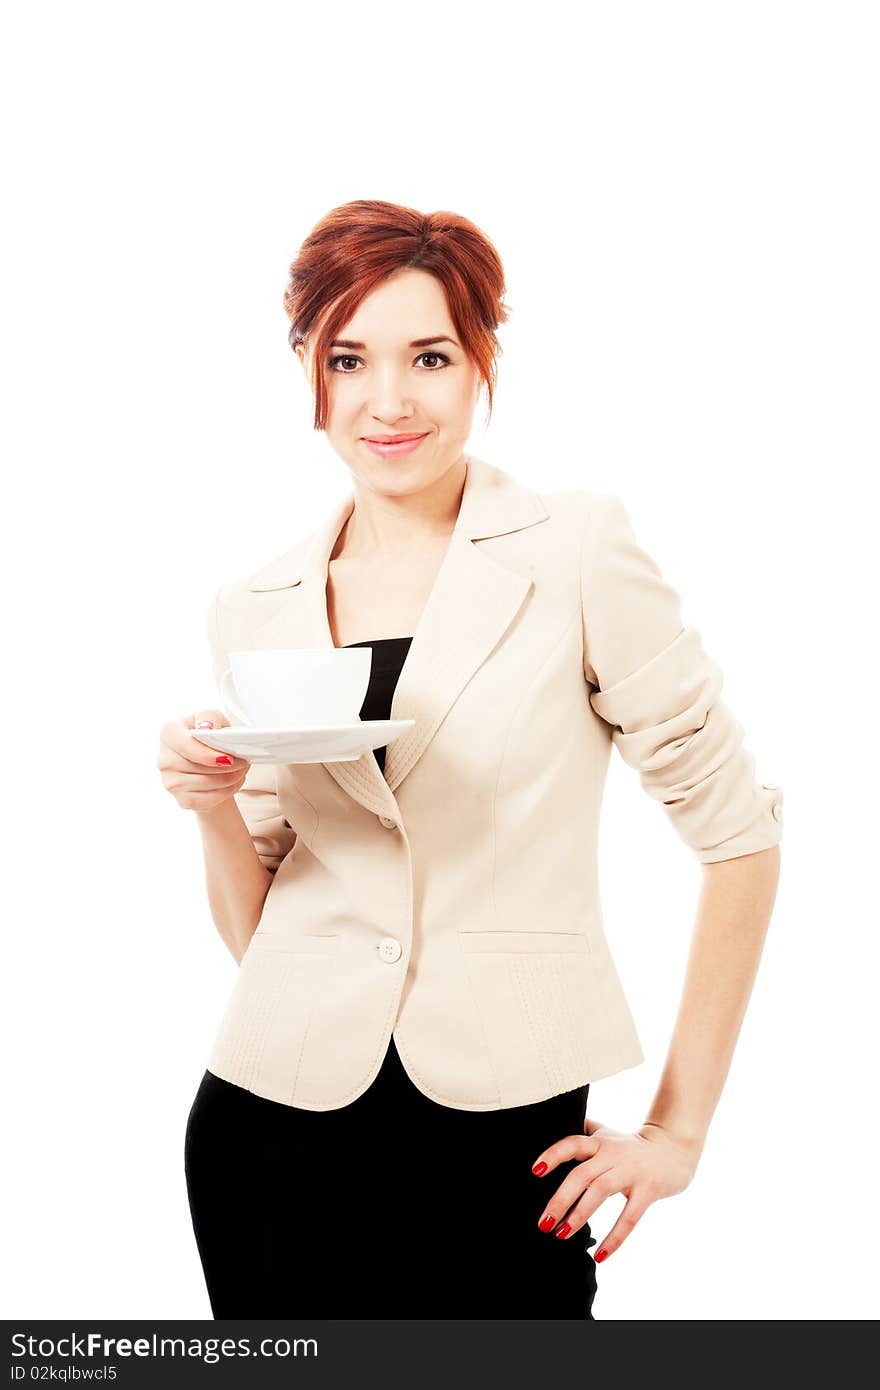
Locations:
(333, 363)
(441, 355)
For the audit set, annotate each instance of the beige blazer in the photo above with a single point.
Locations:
(454, 901)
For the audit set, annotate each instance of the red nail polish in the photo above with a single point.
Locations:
(539, 1168)
(563, 1231)
(223, 759)
(600, 1255)
(547, 1223)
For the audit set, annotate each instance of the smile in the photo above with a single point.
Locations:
(400, 444)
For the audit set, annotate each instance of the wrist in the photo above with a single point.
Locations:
(688, 1136)
(224, 814)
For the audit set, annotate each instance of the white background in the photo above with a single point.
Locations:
(685, 199)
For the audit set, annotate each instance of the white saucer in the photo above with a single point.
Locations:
(329, 743)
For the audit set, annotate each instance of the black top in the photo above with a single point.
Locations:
(389, 654)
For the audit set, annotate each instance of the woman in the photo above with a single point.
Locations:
(393, 1120)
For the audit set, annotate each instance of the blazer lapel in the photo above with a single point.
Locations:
(472, 603)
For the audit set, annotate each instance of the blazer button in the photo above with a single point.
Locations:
(389, 949)
(777, 810)
(388, 822)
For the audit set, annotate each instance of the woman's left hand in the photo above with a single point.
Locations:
(644, 1166)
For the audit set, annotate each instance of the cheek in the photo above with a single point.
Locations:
(456, 397)
(342, 404)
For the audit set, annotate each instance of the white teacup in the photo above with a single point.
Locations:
(296, 687)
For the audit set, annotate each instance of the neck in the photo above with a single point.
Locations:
(386, 527)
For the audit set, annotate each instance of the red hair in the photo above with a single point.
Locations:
(359, 244)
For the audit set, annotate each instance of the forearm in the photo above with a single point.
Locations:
(237, 882)
(733, 913)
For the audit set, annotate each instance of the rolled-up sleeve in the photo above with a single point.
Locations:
(660, 692)
(257, 798)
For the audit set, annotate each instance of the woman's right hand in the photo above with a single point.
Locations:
(198, 777)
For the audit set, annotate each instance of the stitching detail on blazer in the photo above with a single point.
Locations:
(547, 978)
(254, 1038)
(582, 1056)
(305, 1033)
(359, 1087)
(248, 1058)
(554, 978)
(516, 974)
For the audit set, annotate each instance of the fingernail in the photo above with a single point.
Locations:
(547, 1223)
(600, 1255)
(223, 759)
(539, 1168)
(204, 724)
(563, 1231)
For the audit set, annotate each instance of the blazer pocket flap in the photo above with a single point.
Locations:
(514, 941)
(286, 944)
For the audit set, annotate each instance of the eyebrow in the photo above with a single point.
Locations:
(417, 342)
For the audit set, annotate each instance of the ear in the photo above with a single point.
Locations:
(305, 361)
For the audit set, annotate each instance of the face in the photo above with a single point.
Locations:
(381, 381)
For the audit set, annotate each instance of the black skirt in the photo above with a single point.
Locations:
(393, 1206)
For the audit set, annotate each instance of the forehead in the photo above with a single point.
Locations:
(409, 304)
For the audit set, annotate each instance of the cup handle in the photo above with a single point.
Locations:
(230, 704)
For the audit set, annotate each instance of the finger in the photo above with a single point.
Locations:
(210, 719)
(193, 783)
(191, 753)
(626, 1222)
(577, 1146)
(575, 1183)
(575, 1190)
(200, 752)
(194, 757)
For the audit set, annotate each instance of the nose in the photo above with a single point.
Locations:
(389, 399)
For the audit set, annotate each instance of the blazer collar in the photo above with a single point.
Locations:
(473, 601)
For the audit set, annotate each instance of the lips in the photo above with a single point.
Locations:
(394, 446)
(391, 438)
